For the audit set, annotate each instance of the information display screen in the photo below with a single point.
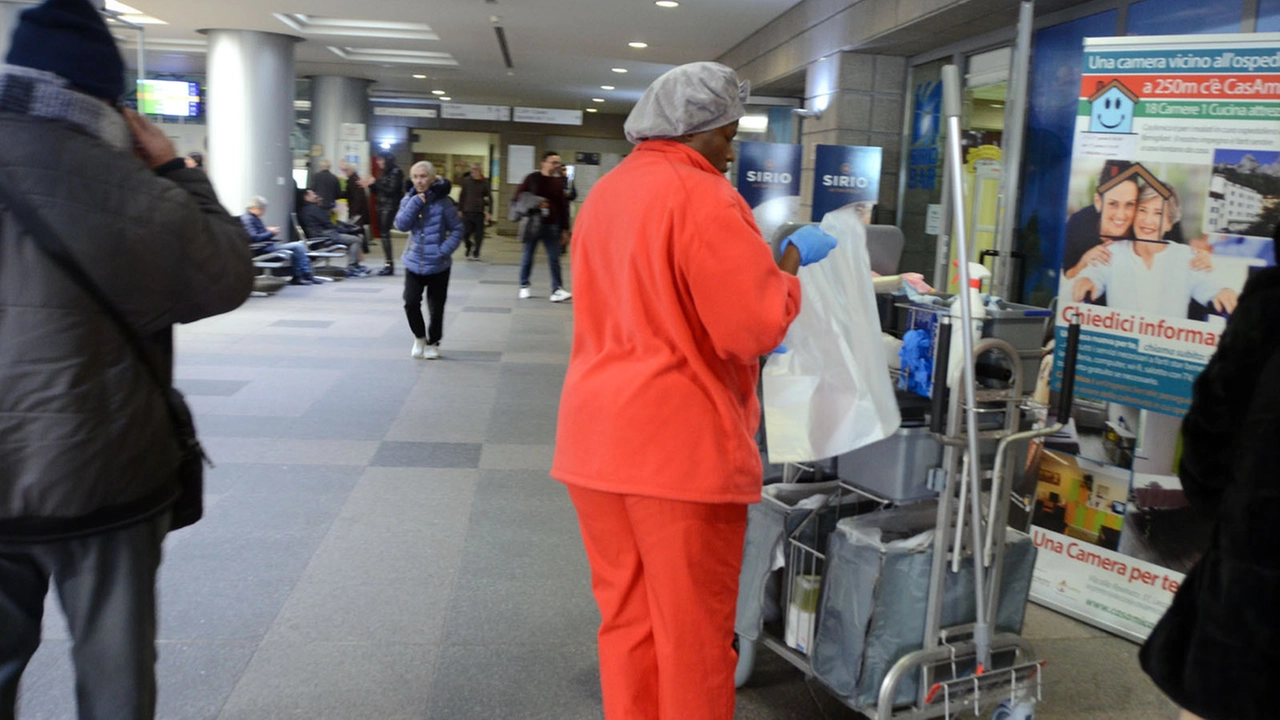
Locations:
(169, 97)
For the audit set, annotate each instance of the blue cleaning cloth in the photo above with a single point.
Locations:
(916, 358)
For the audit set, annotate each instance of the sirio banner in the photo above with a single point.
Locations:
(767, 171)
(846, 175)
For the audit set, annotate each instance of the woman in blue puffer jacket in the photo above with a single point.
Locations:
(435, 231)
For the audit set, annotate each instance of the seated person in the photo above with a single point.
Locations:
(316, 223)
(260, 233)
(1151, 274)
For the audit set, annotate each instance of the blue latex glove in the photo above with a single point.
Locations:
(780, 350)
(812, 243)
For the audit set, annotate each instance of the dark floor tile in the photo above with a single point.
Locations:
(427, 455)
(496, 310)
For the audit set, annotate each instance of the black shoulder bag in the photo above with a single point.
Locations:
(189, 506)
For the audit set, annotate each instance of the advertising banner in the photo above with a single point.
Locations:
(1173, 199)
(769, 180)
(844, 175)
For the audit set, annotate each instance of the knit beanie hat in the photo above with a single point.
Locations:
(70, 39)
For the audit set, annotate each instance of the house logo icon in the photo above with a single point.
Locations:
(1111, 108)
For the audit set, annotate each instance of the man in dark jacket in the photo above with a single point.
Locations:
(1216, 651)
(326, 185)
(475, 202)
(357, 197)
(316, 224)
(388, 189)
(89, 457)
(547, 183)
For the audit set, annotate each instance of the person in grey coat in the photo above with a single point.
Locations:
(88, 453)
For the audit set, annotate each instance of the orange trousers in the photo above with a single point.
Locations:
(665, 575)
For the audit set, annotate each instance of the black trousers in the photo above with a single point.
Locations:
(437, 288)
(473, 232)
(386, 221)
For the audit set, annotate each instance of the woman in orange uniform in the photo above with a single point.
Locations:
(676, 297)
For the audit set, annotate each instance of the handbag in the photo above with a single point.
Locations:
(189, 505)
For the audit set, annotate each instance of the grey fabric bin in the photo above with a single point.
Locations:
(875, 592)
(769, 523)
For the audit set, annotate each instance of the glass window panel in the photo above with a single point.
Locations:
(1057, 63)
(1181, 17)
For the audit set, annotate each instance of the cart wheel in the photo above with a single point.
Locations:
(1011, 710)
(746, 661)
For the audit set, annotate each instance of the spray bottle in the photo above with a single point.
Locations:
(977, 273)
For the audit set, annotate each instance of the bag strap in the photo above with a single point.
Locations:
(51, 244)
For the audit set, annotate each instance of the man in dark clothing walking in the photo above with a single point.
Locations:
(89, 461)
(387, 191)
(326, 185)
(357, 196)
(475, 202)
(547, 183)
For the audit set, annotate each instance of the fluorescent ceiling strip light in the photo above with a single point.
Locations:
(130, 14)
(404, 57)
(312, 25)
(161, 45)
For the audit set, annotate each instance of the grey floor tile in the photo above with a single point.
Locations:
(339, 610)
(481, 309)
(496, 456)
(427, 455)
(335, 680)
(195, 679)
(201, 608)
(47, 689)
(546, 681)
(197, 386)
(319, 324)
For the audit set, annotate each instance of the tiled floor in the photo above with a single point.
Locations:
(382, 540)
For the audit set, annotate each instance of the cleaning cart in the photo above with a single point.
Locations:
(899, 586)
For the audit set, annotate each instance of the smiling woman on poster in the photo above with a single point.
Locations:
(1150, 273)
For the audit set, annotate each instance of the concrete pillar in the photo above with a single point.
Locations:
(334, 101)
(250, 117)
(862, 98)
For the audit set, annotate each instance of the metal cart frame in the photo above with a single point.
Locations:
(955, 664)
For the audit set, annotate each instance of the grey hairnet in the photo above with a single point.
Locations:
(686, 100)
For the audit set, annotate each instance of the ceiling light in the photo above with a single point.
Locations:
(592, 110)
(128, 14)
(437, 92)
(597, 99)
(421, 77)
(315, 25)
(606, 87)
(445, 97)
(753, 123)
(667, 3)
(385, 145)
(638, 45)
(619, 70)
(384, 57)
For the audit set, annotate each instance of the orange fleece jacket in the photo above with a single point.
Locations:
(676, 297)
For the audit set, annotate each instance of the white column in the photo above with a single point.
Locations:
(250, 117)
(334, 101)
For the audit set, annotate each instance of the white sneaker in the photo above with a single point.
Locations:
(432, 352)
(419, 347)
(525, 293)
(560, 295)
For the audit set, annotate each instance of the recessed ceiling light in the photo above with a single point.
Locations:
(421, 77)
(606, 87)
(667, 3)
(597, 99)
(619, 70)
(445, 97)
(638, 45)
(437, 92)
(592, 110)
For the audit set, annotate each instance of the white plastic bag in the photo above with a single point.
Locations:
(830, 393)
